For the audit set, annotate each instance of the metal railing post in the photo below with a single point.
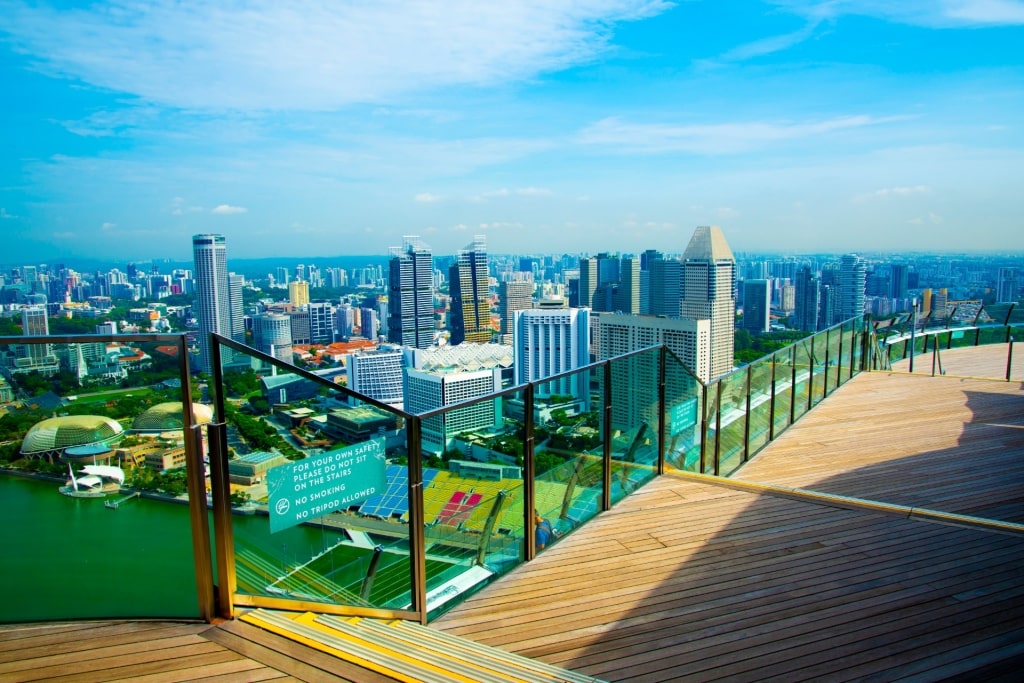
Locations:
(746, 424)
(703, 429)
(529, 473)
(1009, 360)
(718, 429)
(606, 430)
(417, 517)
(662, 406)
(195, 473)
(771, 407)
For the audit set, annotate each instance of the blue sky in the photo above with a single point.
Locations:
(313, 128)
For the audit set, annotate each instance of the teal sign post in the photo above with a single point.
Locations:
(309, 488)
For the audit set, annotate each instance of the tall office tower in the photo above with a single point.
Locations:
(281, 276)
(411, 295)
(35, 323)
(549, 342)
(648, 257)
(272, 334)
(300, 327)
(515, 295)
(235, 284)
(634, 380)
(709, 292)
(298, 293)
(1007, 286)
(470, 319)
(321, 322)
(213, 305)
(345, 321)
(787, 298)
(300, 272)
(757, 306)
(587, 282)
(368, 323)
(378, 374)
(852, 283)
(426, 390)
(666, 287)
(627, 294)
(828, 306)
(807, 300)
(926, 301)
(940, 304)
(898, 279)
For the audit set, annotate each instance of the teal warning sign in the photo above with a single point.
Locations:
(306, 489)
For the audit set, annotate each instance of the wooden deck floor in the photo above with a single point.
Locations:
(686, 580)
(689, 581)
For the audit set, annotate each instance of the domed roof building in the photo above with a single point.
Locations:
(49, 439)
(169, 417)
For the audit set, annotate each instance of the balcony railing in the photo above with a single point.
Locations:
(447, 506)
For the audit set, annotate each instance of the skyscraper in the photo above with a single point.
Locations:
(709, 292)
(1007, 286)
(756, 306)
(666, 287)
(235, 284)
(515, 295)
(411, 295)
(470, 318)
(213, 306)
(627, 294)
(587, 282)
(298, 293)
(549, 342)
(852, 280)
(807, 300)
(272, 334)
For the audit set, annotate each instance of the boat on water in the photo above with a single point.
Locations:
(94, 481)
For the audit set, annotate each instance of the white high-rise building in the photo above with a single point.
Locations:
(709, 293)
(213, 304)
(235, 284)
(272, 334)
(378, 374)
(551, 342)
(634, 380)
(852, 281)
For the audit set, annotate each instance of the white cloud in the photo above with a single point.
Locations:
(534, 192)
(888, 192)
(940, 14)
(227, 209)
(727, 212)
(5, 215)
(716, 138)
(273, 54)
(427, 197)
(108, 226)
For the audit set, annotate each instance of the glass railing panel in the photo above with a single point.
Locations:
(474, 502)
(101, 422)
(850, 341)
(802, 367)
(320, 486)
(635, 418)
(783, 388)
(760, 403)
(817, 345)
(832, 359)
(568, 452)
(709, 458)
(682, 417)
(733, 422)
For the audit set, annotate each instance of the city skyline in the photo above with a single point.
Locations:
(611, 126)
